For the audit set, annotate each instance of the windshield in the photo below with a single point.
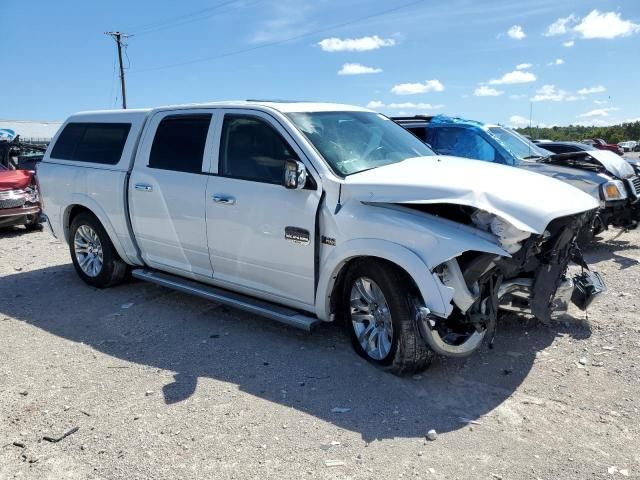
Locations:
(517, 144)
(352, 142)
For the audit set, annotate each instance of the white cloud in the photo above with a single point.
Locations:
(549, 93)
(484, 91)
(596, 89)
(601, 102)
(598, 112)
(417, 106)
(605, 25)
(597, 122)
(568, 44)
(377, 105)
(357, 69)
(516, 32)
(362, 44)
(517, 76)
(518, 121)
(517, 96)
(557, 61)
(559, 27)
(414, 88)
(523, 66)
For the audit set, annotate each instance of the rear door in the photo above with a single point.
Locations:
(167, 191)
(261, 235)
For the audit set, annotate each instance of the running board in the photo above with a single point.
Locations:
(269, 310)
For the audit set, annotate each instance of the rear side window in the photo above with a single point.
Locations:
(461, 142)
(179, 143)
(92, 142)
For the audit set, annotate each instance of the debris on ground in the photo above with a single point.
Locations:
(432, 435)
(64, 435)
(334, 463)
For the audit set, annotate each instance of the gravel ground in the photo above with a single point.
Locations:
(162, 385)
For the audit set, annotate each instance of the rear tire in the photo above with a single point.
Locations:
(94, 256)
(379, 308)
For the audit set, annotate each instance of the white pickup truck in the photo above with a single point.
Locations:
(309, 212)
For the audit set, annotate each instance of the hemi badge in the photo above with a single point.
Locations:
(329, 241)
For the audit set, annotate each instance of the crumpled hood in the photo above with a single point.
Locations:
(15, 179)
(612, 162)
(526, 200)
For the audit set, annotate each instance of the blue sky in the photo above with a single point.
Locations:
(574, 61)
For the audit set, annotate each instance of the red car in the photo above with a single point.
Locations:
(600, 144)
(19, 199)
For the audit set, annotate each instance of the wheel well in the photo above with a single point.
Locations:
(338, 286)
(73, 212)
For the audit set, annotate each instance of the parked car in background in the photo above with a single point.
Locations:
(637, 147)
(602, 174)
(628, 146)
(600, 144)
(19, 199)
(309, 212)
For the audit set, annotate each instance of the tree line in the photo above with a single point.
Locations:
(611, 134)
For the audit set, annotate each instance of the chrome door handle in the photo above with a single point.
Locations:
(143, 187)
(224, 200)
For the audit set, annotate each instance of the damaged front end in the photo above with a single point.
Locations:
(533, 281)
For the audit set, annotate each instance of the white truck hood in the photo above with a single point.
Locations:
(528, 201)
(613, 162)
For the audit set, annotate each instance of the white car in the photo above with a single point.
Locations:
(309, 212)
(628, 146)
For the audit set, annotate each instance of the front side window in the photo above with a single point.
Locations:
(179, 143)
(352, 142)
(92, 142)
(251, 149)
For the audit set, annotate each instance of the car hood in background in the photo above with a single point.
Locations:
(526, 200)
(612, 162)
(586, 180)
(15, 179)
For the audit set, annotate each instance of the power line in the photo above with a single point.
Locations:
(192, 20)
(279, 42)
(118, 36)
(141, 28)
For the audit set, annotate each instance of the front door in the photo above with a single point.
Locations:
(261, 235)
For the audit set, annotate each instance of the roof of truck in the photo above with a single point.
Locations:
(279, 105)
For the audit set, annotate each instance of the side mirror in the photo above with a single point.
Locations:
(295, 175)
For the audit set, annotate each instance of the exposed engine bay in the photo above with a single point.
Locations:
(534, 281)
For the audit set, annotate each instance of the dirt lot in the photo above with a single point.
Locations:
(162, 385)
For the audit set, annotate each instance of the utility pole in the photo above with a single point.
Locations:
(118, 36)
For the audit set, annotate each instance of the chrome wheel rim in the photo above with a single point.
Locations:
(371, 318)
(88, 250)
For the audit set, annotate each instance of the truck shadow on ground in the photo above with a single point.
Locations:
(603, 251)
(316, 374)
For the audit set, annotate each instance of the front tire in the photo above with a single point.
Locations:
(94, 256)
(379, 307)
